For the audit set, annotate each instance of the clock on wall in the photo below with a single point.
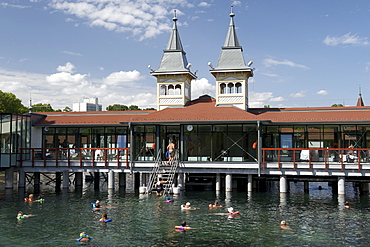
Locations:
(189, 127)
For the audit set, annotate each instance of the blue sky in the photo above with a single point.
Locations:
(305, 53)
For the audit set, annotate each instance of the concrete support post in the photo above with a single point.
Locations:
(58, 181)
(78, 179)
(130, 183)
(9, 176)
(218, 182)
(250, 183)
(180, 181)
(96, 180)
(306, 187)
(228, 183)
(122, 180)
(111, 180)
(364, 188)
(283, 184)
(341, 186)
(65, 179)
(36, 182)
(21, 178)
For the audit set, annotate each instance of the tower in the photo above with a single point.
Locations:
(231, 73)
(173, 75)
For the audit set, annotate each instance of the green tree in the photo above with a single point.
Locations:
(117, 107)
(337, 105)
(134, 108)
(40, 107)
(67, 109)
(9, 103)
(148, 109)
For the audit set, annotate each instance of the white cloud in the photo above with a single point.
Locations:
(72, 53)
(269, 74)
(69, 67)
(200, 87)
(65, 78)
(347, 39)
(298, 95)
(322, 92)
(235, 3)
(122, 76)
(14, 6)
(269, 62)
(204, 4)
(144, 19)
(258, 100)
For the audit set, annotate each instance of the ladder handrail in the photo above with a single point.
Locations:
(154, 174)
(173, 170)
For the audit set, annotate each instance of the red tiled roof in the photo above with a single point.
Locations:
(204, 110)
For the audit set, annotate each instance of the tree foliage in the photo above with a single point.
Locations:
(337, 105)
(9, 103)
(40, 107)
(119, 107)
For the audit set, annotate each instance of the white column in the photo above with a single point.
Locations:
(111, 180)
(180, 181)
(228, 183)
(65, 179)
(283, 184)
(341, 186)
(218, 182)
(250, 183)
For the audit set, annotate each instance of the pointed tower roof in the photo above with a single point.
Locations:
(231, 57)
(174, 57)
(360, 102)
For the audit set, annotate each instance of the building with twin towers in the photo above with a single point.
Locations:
(217, 143)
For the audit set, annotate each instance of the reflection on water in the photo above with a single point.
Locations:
(316, 219)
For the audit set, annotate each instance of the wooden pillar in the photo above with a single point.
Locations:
(122, 180)
(306, 187)
(58, 181)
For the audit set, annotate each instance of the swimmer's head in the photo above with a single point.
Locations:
(97, 202)
(230, 209)
(188, 204)
(168, 198)
(183, 223)
(20, 213)
(283, 222)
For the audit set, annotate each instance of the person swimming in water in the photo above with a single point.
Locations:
(283, 225)
(159, 188)
(183, 227)
(215, 205)
(83, 237)
(187, 206)
(21, 215)
(232, 212)
(168, 199)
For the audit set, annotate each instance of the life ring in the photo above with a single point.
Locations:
(106, 221)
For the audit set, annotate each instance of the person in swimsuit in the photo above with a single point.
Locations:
(232, 212)
(83, 237)
(183, 227)
(21, 215)
(283, 225)
(171, 151)
(215, 205)
(159, 187)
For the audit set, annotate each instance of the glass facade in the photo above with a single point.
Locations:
(14, 134)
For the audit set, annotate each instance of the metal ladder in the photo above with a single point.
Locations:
(164, 170)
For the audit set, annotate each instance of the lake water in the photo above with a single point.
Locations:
(315, 219)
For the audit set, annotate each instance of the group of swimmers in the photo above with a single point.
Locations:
(30, 198)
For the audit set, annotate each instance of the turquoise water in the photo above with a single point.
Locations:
(315, 219)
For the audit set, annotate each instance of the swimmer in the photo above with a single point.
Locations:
(232, 212)
(215, 205)
(159, 188)
(187, 206)
(346, 205)
(30, 198)
(168, 199)
(96, 205)
(21, 215)
(39, 199)
(183, 227)
(283, 225)
(83, 237)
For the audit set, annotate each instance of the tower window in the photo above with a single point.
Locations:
(238, 88)
(163, 90)
(178, 89)
(230, 88)
(171, 90)
(222, 88)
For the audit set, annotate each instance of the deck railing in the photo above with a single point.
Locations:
(93, 156)
(311, 156)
